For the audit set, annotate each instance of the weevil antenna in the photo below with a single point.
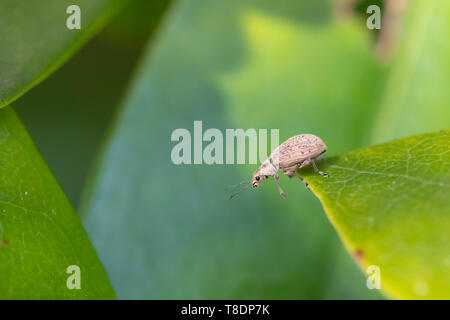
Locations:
(235, 194)
(236, 185)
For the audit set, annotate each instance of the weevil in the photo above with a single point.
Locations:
(296, 152)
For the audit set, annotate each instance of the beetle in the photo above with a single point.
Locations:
(296, 152)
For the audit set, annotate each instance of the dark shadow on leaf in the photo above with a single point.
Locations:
(322, 164)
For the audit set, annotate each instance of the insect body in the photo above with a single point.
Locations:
(296, 152)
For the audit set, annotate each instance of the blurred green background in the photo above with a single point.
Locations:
(166, 231)
(75, 105)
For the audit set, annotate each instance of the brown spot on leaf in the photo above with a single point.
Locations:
(359, 254)
(5, 241)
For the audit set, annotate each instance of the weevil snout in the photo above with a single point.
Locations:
(257, 178)
(255, 181)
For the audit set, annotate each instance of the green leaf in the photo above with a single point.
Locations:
(34, 39)
(40, 234)
(137, 23)
(69, 139)
(172, 232)
(390, 204)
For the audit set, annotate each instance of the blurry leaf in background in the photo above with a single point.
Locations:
(35, 40)
(305, 79)
(136, 22)
(40, 234)
(67, 115)
(167, 231)
(416, 98)
(390, 204)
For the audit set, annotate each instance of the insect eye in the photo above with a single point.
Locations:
(257, 178)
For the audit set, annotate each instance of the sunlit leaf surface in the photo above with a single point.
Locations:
(390, 204)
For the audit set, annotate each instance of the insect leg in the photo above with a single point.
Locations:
(302, 180)
(316, 170)
(278, 186)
